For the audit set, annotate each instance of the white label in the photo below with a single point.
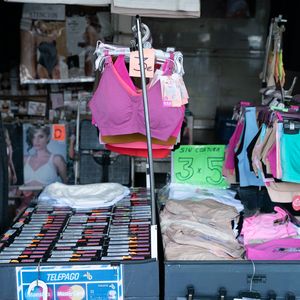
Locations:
(25, 24)
(4, 261)
(90, 248)
(10, 232)
(44, 12)
(58, 259)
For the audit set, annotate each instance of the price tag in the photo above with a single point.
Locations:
(199, 165)
(134, 63)
(59, 132)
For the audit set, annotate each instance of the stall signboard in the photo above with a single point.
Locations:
(199, 165)
(84, 282)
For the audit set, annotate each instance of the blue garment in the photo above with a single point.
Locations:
(280, 130)
(248, 178)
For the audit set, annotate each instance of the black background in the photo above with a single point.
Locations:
(10, 15)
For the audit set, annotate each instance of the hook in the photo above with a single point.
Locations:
(253, 274)
(41, 284)
(281, 90)
(147, 39)
(290, 90)
(39, 271)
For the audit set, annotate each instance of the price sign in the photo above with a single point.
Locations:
(134, 63)
(91, 282)
(199, 165)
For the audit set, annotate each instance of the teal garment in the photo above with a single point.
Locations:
(263, 132)
(290, 157)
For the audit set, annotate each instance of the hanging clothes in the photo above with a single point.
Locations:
(246, 177)
(117, 109)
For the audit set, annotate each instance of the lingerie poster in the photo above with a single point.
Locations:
(44, 154)
(83, 32)
(43, 43)
(14, 146)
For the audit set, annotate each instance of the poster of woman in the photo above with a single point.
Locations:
(44, 155)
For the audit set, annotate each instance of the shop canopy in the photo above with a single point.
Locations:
(149, 8)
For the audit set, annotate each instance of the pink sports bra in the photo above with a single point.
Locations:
(118, 109)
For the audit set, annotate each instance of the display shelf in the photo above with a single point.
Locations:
(37, 98)
(208, 277)
(57, 81)
(108, 232)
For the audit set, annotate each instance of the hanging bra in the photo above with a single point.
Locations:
(117, 109)
(45, 174)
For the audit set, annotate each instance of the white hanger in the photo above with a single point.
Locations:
(160, 56)
(41, 284)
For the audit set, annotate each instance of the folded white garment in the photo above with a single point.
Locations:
(175, 5)
(88, 195)
(181, 9)
(186, 191)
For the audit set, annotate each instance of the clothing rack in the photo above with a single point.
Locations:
(149, 171)
(149, 165)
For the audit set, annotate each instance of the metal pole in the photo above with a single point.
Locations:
(147, 120)
(76, 148)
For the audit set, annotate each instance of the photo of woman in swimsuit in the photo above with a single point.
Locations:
(90, 36)
(42, 167)
(39, 110)
(5, 107)
(48, 61)
(22, 108)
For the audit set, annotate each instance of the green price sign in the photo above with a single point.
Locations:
(200, 165)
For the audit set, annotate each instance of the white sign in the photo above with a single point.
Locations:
(86, 282)
(44, 12)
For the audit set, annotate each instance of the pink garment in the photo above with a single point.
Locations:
(263, 227)
(121, 70)
(120, 67)
(272, 160)
(278, 161)
(232, 145)
(279, 249)
(224, 170)
(118, 111)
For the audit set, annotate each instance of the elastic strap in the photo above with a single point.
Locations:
(107, 58)
(168, 64)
